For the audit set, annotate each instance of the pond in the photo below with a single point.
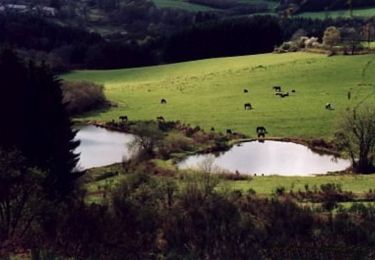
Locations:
(268, 158)
(101, 147)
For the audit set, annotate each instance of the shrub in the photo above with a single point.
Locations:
(106, 175)
(177, 142)
(279, 191)
(83, 96)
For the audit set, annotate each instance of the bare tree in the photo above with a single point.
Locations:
(356, 136)
(207, 167)
(148, 137)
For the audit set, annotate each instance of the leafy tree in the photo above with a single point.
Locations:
(357, 137)
(36, 123)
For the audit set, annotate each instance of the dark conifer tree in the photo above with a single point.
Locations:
(34, 121)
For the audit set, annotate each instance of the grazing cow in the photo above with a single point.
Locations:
(229, 131)
(160, 118)
(212, 129)
(284, 94)
(261, 131)
(277, 88)
(123, 119)
(329, 106)
(248, 106)
(245, 91)
(163, 101)
(293, 91)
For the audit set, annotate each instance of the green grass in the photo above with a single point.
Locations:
(265, 185)
(185, 5)
(262, 185)
(365, 12)
(209, 93)
(180, 4)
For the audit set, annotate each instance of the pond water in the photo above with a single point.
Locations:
(268, 158)
(101, 147)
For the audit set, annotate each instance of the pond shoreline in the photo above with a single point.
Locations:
(319, 146)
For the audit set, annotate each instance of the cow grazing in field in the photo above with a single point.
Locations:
(123, 119)
(229, 131)
(261, 131)
(293, 91)
(163, 101)
(245, 91)
(329, 106)
(248, 106)
(160, 118)
(284, 94)
(212, 129)
(277, 88)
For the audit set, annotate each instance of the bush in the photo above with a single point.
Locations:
(83, 96)
(177, 142)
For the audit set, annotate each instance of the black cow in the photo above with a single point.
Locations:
(229, 131)
(163, 101)
(277, 88)
(284, 94)
(261, 131)
(329, 106)
(212, 129)
(245, 91)
(293, 91)
(123, 118)
(160, 118)
(248, 106)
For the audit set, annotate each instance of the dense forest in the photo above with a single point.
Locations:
(69, 47)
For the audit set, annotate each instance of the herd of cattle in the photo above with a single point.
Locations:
(260, 130)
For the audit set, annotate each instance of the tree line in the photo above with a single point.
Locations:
(64, 48)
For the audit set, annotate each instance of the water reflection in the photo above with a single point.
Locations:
(271, 157)
(101, 147)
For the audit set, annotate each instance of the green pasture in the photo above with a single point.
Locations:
(180, 4)
(184, 4)
(266, 185)
(363, 12)
(210, 93)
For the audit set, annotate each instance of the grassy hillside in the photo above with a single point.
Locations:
(182, 4)
(363, 12)
(210, 93)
